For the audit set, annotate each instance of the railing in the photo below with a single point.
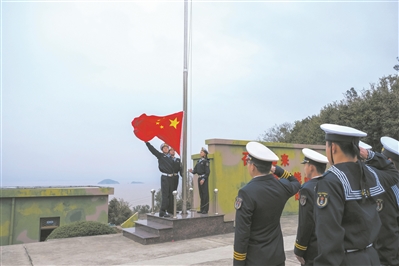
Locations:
(153, 199)
(216, 200)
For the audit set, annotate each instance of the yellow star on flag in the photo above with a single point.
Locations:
(174, 123)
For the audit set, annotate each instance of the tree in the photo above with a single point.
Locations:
(307, 131)
(277, 133)
(374, 111)
(142, 209)
(118, 211)
(158, 200)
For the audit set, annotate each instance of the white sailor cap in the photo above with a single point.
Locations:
(342, 133)
(312, 156)
(364, 145)
(391, 148)
(204, 150)
(163, 145)
(260, 153)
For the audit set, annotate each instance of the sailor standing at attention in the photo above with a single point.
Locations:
(177, 168)
(203, 171)
(306, 242)
(258, 239)
(346, 217)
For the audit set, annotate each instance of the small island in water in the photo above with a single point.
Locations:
(136, 182)
(108, 181)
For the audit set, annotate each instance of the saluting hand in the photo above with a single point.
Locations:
(273, 169)
(363, 153)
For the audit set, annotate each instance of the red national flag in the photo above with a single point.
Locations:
(167, 128)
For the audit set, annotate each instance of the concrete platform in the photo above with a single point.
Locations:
(157, 229)
(119, 250)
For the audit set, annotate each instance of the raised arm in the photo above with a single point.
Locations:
(387, 174)
(153, 150)
(289, 181)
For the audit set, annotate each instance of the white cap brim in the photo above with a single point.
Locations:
(342, 130)
(261, 152)
(314, 155)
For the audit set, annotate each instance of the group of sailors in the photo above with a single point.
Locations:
(171, 167)
(348, 214)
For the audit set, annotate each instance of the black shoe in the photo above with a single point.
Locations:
(163, 213)
(204, 212)
(199, 211)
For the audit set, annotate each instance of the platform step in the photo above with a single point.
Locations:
(140, 236)
(185, 226)
(164, 231)
(154, 224)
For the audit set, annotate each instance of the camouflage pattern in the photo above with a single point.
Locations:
(23, 207)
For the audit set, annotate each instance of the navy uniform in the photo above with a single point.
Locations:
(306, 240)
(202, 170)
(258, 238)
(165, 165)
(346, 217)
(177, 168)
(387, 244)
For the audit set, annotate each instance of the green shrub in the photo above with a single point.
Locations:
(142, 209)
(82, 228)
(118, 211)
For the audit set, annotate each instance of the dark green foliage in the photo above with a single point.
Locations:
(307, 131)
(141, 209)
(158, 200)
(81, 228)
(374, 111)
(277, 133)
(118, 211)
(179, 202)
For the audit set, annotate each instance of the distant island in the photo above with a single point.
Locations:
(135, 182)
(108, 181)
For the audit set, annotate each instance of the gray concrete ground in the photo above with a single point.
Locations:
(119, 250)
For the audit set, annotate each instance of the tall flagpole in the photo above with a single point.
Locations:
(185, 78)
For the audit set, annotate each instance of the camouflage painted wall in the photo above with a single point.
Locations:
(229, 174)
(22, 209)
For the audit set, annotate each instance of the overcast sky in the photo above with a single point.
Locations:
(74, 76)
